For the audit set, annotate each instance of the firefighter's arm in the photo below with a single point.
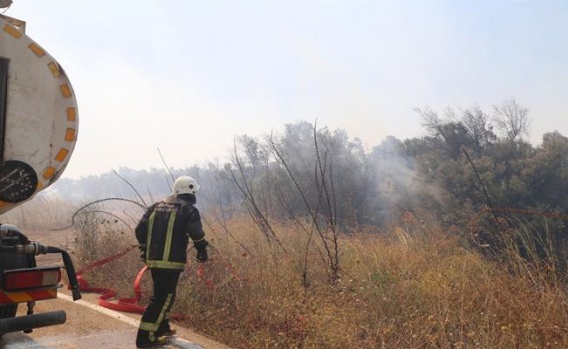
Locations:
(141, 232)
(201, 247)
(197, 235)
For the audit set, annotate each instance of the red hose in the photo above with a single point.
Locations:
(132, 305)
(127, 305)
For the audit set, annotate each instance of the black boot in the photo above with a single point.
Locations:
(143, 340)
(165, 330)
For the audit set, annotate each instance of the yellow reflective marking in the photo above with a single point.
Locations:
(55, 71)
(149, 235)
(169, 234)
(61, 154)
(165, 265)
(20, 297)
(49, 172)
(39, 185)
(13, 31)
(71, 114)
(70, 134)
(36, 49)
(3, 203)
(148, 326)
(65, 90)
(164, 309)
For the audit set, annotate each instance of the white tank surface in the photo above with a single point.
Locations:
(38, 116)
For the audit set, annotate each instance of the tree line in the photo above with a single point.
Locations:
(467, 161)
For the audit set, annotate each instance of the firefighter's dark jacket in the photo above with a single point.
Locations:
(164, 230)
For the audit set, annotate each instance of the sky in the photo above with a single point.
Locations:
(183, 78)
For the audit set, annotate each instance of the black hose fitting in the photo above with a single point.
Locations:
(71, 274)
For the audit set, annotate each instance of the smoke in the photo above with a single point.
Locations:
(399, 187)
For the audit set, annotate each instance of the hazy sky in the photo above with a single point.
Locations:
(187, 76)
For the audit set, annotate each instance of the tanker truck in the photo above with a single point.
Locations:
(38, 132)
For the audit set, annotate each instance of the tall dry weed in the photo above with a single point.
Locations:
(406, 287)
(409, 285)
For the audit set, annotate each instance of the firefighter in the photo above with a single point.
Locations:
(163, 234)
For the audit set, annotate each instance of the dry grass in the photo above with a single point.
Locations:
(409, 286)
(42, 212)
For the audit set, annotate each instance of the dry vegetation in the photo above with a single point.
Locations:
(409, 285)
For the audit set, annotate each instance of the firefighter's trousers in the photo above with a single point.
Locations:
(155, 319)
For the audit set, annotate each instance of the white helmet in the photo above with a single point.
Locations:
(185, 185)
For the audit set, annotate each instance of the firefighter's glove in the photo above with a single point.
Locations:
(202, 256)
(201, 247)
